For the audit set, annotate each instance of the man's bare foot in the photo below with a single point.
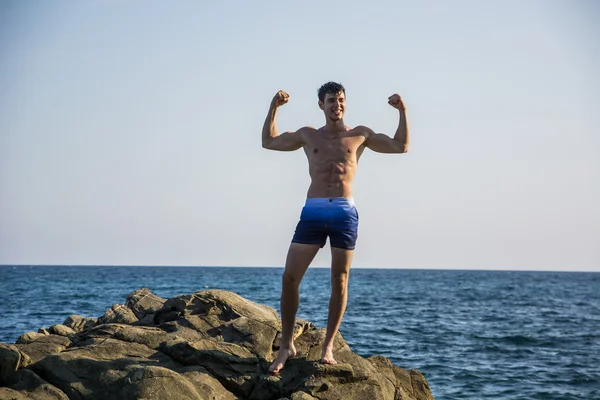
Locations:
(282, 357)
(327, 357)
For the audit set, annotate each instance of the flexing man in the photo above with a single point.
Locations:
(333, 152)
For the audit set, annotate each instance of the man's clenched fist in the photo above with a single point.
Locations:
(280, 98)
(396, 102)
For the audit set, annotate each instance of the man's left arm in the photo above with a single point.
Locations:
(382, 143)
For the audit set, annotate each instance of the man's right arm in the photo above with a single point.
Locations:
(287, 141)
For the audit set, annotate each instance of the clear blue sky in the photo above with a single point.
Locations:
(130, 131)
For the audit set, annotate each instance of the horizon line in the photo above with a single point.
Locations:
(508, 269)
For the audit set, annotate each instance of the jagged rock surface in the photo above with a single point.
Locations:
(211, 344)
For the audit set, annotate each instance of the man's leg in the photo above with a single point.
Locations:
(298, 259)
(340, 267)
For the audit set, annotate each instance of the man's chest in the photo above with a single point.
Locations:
(323, 147)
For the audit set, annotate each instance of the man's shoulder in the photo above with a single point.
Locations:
(307, 129)
(362, 130)
(306, 132)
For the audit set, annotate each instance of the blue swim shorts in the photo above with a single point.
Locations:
(335, 217)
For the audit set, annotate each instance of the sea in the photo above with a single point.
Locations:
(473, 334)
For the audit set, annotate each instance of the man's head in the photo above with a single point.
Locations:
(332, 100)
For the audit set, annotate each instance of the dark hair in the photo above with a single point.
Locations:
(330, 88)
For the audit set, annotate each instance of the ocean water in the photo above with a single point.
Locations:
(473, 334)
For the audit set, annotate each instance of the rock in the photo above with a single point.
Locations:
(79, 323)
(150, 337)
(152, 382)
(143, 302)
(44, 345)
(221, 304)
(206, 386)
(302, 396)
(211, 344)
(300, 327)
(7, 393)
(25, 384)
(98, 367)
(234, 366)
(147, 320)
(352, 378)
(118, 314)
(11, 359)
(29, 337)
(61, 330)
(420, 387)
(255, 336)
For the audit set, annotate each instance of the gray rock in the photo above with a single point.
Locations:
(221, 304)
(8, 393)
(61, 330)
(234, 366)
(29, 337)
(302, 396)
(148, 336)
(157, 383)
(152, 337)
(256, 336)
(143, 302)
(206, 386)
(146, 320)
(11, 359)
(98, 367)
(118, 314)
(43, 346)
(25, 384)
(300, 327)
(79, 323)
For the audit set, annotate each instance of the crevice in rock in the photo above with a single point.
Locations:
(232, 388)
(412, 383)
(390, 381)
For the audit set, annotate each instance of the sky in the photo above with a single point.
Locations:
(130, 131)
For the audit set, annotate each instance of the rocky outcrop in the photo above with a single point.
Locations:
(211, 344)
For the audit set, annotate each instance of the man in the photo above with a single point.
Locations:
(333, 152)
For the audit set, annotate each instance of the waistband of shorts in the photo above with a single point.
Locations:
(328, 201)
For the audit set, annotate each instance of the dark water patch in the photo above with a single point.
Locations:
(387, 331)
(581, 379)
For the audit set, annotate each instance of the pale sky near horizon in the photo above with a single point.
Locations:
(130, 131)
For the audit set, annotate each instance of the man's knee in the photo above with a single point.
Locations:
(291, 279)
(339, 281)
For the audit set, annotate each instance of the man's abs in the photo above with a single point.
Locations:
(340, 189)
(332, 165)
(332, 182)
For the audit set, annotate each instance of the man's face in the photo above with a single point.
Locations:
(334, 106)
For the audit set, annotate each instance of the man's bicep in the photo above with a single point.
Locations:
(382, 143)
(287, 141)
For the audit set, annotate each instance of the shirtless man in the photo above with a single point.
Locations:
(333, 152)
